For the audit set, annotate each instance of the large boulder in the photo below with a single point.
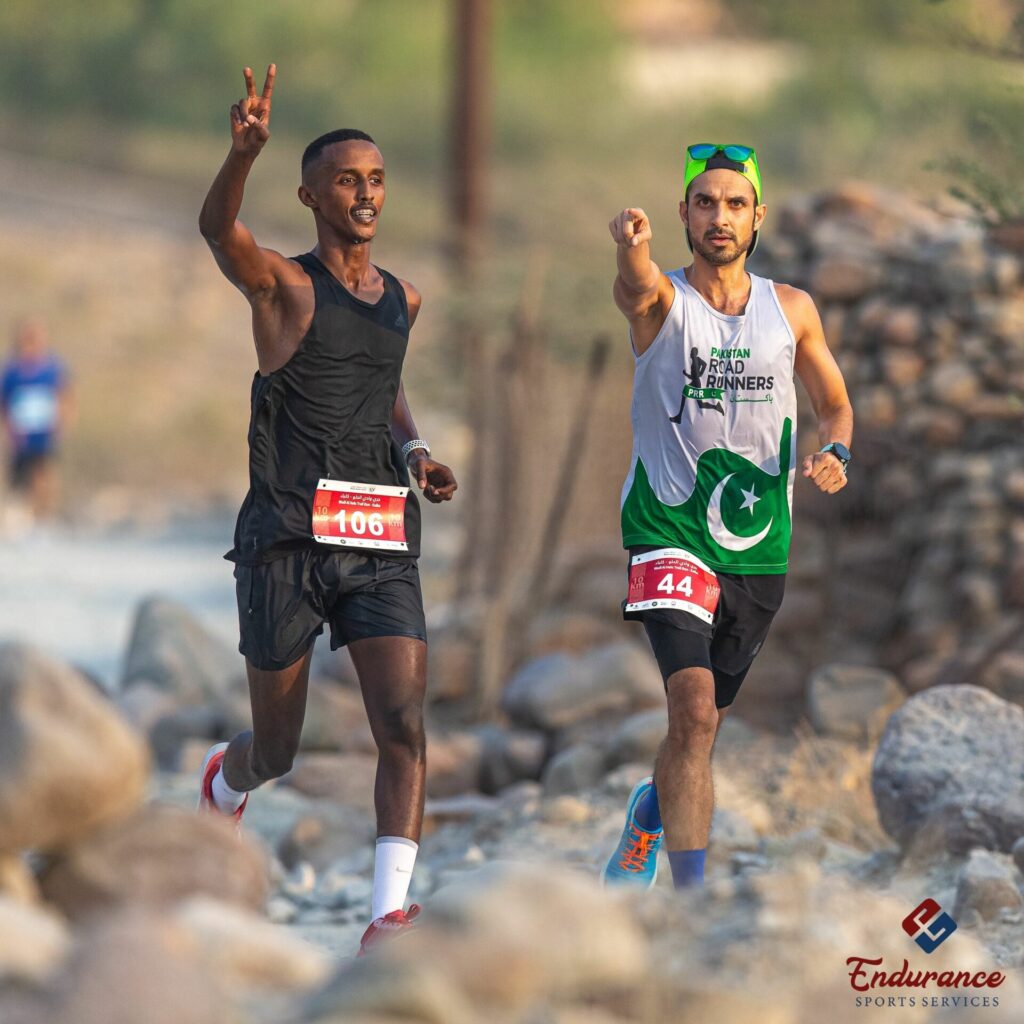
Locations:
(949, 771)
(170, 649)
(135, 967)
(852, 701)
(68, 760)
(245, 950)
(560, 690)
(160, 855)
(33, 942)
(503, 943)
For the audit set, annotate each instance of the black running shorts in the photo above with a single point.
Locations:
(283, 604)
(728, 645)
(24, 465)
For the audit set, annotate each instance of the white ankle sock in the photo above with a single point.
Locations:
(225, 798)
(392, 872)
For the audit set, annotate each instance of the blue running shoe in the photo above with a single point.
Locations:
(635, 860)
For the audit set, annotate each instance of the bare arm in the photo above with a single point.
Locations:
(255, 271)
(433, 478)
(820, 375)
(642, 292)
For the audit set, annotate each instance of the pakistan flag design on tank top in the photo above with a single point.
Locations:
(714, 434)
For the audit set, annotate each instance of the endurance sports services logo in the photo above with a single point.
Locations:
(929, 925)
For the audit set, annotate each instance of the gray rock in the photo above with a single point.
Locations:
(852, 701)
(343, 778)
(335, 720)
(33, 942)
(732, 831)
(247, 953)
(171, 650)
(453, 763)
(578, 768)
(69, 762)
(389, 987)
(158, 856)
(956, 754)
(338, 890)
(841, 278)
(545, 929)
(334, 833)
(639, 737)
(463, 807)
(16, 880)
(987, 886)
(559, 690)
(510, 756)
(136, 967)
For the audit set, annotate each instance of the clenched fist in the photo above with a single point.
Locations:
(630, 228)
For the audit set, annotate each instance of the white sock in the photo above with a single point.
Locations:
(225, 798)
(392, 872)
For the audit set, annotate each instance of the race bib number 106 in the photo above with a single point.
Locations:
(672, 578)
(360, 515)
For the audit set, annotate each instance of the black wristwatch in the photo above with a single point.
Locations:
(840, 451)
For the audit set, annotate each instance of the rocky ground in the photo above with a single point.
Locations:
(118, 903)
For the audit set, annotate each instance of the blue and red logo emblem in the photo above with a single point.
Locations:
(929, 925)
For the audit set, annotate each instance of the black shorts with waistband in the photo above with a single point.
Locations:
(283, 604)
(728, 644)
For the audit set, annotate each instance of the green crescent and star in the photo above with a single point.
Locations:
(736, 519)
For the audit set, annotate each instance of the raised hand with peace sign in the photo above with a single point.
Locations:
(250, 116)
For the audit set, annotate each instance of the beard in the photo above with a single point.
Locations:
(722, 257)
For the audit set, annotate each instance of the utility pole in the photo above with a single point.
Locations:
(471, 119)
(470, 142)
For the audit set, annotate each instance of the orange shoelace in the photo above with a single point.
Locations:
(641, 845)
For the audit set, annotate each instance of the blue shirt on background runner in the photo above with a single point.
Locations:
(30, 398)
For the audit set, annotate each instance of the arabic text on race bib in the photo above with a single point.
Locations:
(672, 578)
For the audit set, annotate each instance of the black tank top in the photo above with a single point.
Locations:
(326, 413)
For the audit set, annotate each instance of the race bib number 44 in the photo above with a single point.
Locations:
(672, 578)
(356, 515)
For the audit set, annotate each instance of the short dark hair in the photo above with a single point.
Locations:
(317, 146)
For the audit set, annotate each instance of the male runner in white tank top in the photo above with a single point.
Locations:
(706, 507)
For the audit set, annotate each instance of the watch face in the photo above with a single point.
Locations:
(841, 451)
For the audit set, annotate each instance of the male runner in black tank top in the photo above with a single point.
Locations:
(331, 331)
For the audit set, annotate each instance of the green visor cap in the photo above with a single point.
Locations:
(707, 156)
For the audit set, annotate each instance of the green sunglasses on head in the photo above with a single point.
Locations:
(699, 154)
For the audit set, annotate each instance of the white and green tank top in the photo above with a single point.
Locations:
(714, 434)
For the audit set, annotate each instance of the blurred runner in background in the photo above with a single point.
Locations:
(35, 397)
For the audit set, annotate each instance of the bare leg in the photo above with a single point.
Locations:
(393, 677)
(683, 768)
(42, 490)
(278, 707)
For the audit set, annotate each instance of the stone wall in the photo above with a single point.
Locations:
(919, 565)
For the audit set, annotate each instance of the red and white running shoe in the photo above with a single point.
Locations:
(211, 765)
(387, 927)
